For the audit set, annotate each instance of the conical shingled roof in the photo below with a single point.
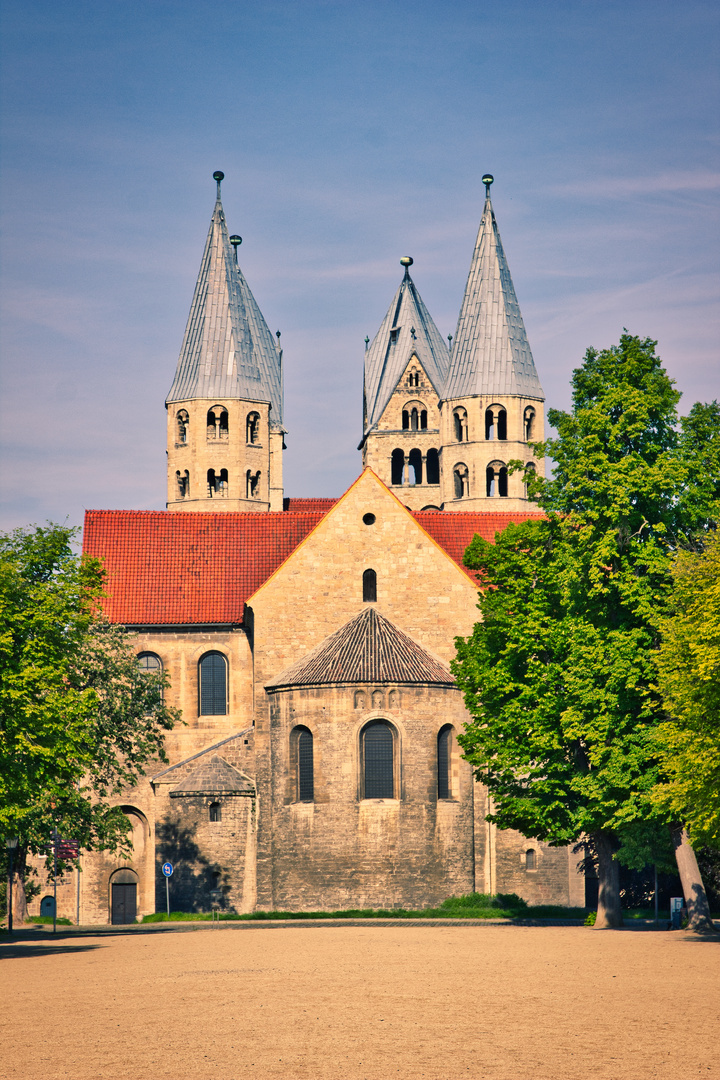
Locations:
(368, 649)
(228, 350)
(214, 777)
(406, 329)
(490, 353)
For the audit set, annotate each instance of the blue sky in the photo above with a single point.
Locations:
(350, 134)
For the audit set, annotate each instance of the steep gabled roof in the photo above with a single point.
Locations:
(228, 350)
(368, 649)
(167, 569)
(214, 777)
(490, 352)
(407, 329)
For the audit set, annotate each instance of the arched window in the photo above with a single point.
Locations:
(444, 749)
(397, 468)
(530, 471)
(462, 482)
(530, 859)
(415, 462)
(529, 422)
(252, 428)
(211, 483)
(369, 586)
(406, 420)
(182, 426)
(495, 423)
(305, 776)
(432, 465)
(252, 484)
(460, 425)
(217, 422)
(215, 811)
(414, 378)
(213, 685)
(496, 480)
(183, 483)
(378, 751)
(414, 424)
(423, 419)
(149, 663)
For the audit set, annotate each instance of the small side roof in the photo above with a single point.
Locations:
(214, 777)
(368, 649)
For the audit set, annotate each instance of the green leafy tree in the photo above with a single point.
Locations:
(688, 743)
(78, 719)
(559, 675)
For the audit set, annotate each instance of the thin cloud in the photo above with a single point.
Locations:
(612, 186)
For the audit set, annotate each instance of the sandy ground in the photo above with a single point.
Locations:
(362, 1003)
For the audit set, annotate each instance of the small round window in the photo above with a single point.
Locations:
(369, 519)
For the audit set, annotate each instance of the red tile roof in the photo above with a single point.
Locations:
(180, 568)
(308, 506)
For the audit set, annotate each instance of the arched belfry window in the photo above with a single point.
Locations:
(397, 467)
(416, 464)
(183, 483)
(444, 759)
(496, 483)
(530, 471)
(369, 587)
(461, 479)
(495, 423)
(217, 422)
(213, 684)
(529, 423)
(217, 484)
(183, 420)
(252, 428)
(460, 424)
(378, 753)
(432, 467)
(252, 484)
(304, 764)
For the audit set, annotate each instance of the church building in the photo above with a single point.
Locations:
(308, 641)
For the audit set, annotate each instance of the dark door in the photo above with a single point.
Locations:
(124, 903)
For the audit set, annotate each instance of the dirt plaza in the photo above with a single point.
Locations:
(361, 1003)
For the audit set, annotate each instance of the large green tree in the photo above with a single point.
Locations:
(78, 719)
(559, 675)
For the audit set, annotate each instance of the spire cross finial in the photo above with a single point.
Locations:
(487, 181)
(367, 342)
(218, 177)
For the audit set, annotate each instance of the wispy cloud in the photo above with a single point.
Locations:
(612, 186)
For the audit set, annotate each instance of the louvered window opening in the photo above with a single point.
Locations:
(378, 755)
(213, 685)
(443, 764)
(306, 786)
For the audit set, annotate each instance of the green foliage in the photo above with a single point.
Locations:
(559, 676)
(688, 744)
(487, 900)
(78, 720)
(456, 908)
(47, 920)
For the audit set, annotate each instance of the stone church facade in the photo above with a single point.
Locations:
(308, 641)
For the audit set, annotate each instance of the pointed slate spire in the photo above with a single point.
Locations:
(228, 350)
(490, 353)
(406, 329)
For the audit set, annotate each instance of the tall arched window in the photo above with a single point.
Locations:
(415, 462)
(423, 419)
(217, 422)
(397, 468)
(460, 424)
(215, 811)
(432, 467)
(406, 420)
(304, 765)
(369, 586)
(378, 746)
(495, 423)
(461, 480)
(213, 685)
(183, 483)
(252, 428)
(182, 426)
(529, 422)
(252, 484)
(444, 747)
(496, 482)
(530, 859)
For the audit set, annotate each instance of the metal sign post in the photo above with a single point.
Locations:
(167, 869)
(55, 840)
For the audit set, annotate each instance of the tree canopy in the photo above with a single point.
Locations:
(78, 719)
(559, 676)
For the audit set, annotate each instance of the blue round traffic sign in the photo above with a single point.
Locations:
(167, 869)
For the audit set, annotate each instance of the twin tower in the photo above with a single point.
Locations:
(440, 424)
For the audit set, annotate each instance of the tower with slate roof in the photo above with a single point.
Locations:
(492, 406)
(225, 406)
(406, 366)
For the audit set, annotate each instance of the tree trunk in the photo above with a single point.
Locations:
(19, 900)
(609, 912)
(699, 919)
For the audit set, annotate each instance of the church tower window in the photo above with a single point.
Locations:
(496, 483)
(432, 467)
(252, 428)
(528, 423)
(495, 423)
(462, 481)
(444, 746)
(183, 421)
(213, 684)
(252, 484)
(460, 425)
(305, 765)
(183, 483)
(397, 468)
(378, 746)
(415, 461)
(217, 423)
(369, 587)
